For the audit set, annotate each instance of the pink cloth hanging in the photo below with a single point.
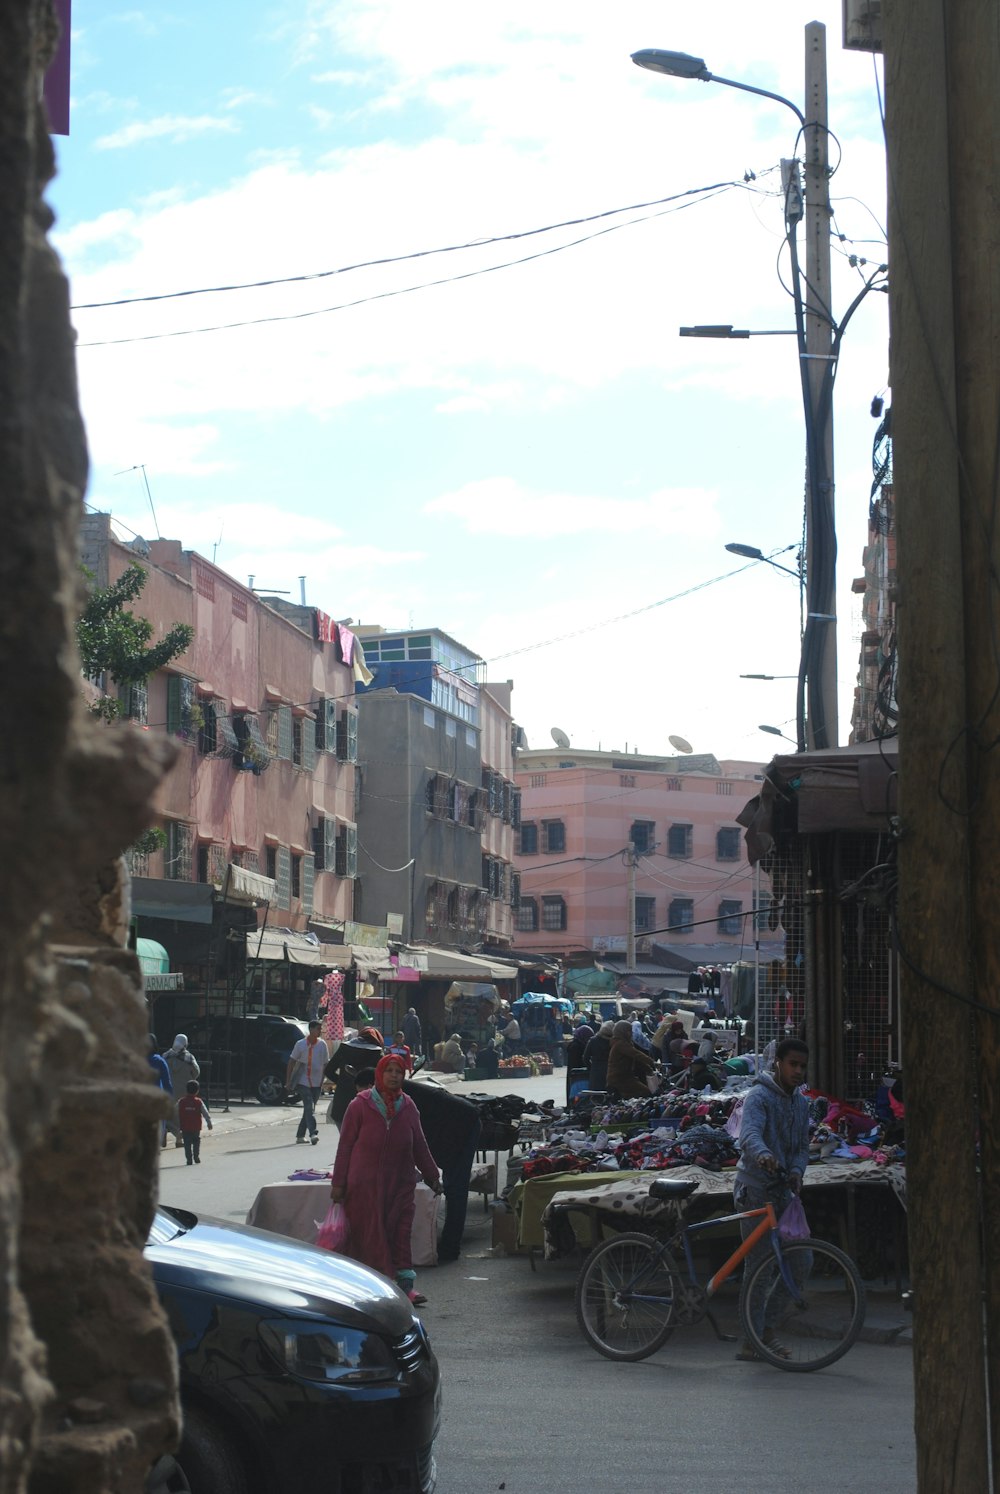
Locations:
(333, 990)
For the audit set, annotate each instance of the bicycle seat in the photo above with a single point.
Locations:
(675, 1188)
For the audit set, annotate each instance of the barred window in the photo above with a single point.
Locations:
(526, 916)
(553, 913)
(679, 839)
(730, 916)
(645, 914)
(554, 836)
(727, 843)
(680, 916)
(642, 836)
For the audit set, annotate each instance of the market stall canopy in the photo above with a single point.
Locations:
(182, 902)
(587, 979)
(472, 990)
(540, 998)
(842, 788)
(297, 949)
(448, 964)
(370, 960)
(241, 885)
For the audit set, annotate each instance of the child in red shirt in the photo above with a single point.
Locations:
(191, 1112)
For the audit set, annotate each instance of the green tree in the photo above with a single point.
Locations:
(113, 641)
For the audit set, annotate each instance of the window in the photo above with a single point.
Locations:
(180, 704)
(283, 877)
(430, 718)
(553, 913)
(554, 836)
(723, 788)
(135, 702)
(538, 780)
(642, 835)
(515, 889)
(529, 839)
(296, 875)
(645, 914)
(211, 863)
(727, 843)
(679, 841)
(626, 780)
(450, 726)
(347, 851)
(178, 856)
(452, 913)
(526, 915)
(308, 883)
(347, 737)
(674, 785)
(324, 840)
(297, 746)
(730, 916)
(515, 808)
(252, 751)
(271, 862)
(680, 916)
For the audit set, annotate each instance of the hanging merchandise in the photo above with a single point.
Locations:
(333, 992)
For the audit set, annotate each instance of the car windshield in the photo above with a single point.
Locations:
(169, 1224)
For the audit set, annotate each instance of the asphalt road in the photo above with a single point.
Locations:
(528, 1406)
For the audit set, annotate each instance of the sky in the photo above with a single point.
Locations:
(531, 458)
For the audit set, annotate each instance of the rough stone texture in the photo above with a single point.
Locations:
(80, 1326)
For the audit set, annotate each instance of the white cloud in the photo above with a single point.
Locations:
(177, 128)
(501, 505)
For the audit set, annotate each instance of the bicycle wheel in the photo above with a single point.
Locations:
(816, 1330)
(625, 1297)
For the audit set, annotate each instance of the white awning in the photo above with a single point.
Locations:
(448, 964)
(371, 959)
(297, 949)
(243, 885)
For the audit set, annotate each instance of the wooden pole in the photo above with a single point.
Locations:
(940, 62)
(821, 543)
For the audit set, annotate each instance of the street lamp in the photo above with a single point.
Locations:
(818, 340)
(752, 553)
(775, 731)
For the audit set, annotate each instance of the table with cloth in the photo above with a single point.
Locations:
(296, 1208)
(589, 1199)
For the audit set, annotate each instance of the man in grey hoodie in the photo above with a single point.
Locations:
(774, 1135)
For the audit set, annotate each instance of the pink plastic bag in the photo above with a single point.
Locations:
(793, 1224)
(334, 1233)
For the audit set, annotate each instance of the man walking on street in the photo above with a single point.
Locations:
(774, 1137)
(304, 1074)
(411, 1030)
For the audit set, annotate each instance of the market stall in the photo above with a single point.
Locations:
(540, 1018)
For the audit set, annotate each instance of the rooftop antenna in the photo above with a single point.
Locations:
(559, 737)
(680, 744)
(139, 467)
(215, 547)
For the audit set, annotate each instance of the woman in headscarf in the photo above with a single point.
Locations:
(575, 1050)
(381, 1147)
(627, 1066)
(595, 1056)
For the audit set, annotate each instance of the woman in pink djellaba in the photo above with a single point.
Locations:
(381, 1149)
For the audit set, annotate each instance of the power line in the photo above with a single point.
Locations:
(396, 259)
(406, 290)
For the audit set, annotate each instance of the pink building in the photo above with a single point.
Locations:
(258, 810)
(581, 810)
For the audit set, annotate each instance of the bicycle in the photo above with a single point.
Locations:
(630, 1294)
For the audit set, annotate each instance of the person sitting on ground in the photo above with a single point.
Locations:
(452, 1056)
(628, 1067)
(673, 1047)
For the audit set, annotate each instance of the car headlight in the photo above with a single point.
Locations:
(326, 1351)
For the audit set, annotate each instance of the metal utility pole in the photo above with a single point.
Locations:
(630, 861)
(820, 641)
(942, 58)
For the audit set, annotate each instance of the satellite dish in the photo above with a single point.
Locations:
(680, 744)
(559, 737)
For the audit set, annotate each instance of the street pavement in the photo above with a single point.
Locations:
(528, 1405)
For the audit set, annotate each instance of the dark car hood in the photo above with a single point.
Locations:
(246, 1264)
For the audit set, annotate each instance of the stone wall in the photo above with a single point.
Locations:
(87, 1392)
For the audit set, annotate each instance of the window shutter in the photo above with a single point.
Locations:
(329, 726)
(347, 851)
(308, 743)
(352, 736)
(515, 889)
(283, 874)
(329, 844)
(173, 704)
(285, 733)
(515, 809)
(225, 737)
(308, 882)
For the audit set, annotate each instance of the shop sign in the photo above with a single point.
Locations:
(369, 934)
(609, 944)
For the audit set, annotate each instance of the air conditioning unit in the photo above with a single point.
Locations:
(862, 25)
